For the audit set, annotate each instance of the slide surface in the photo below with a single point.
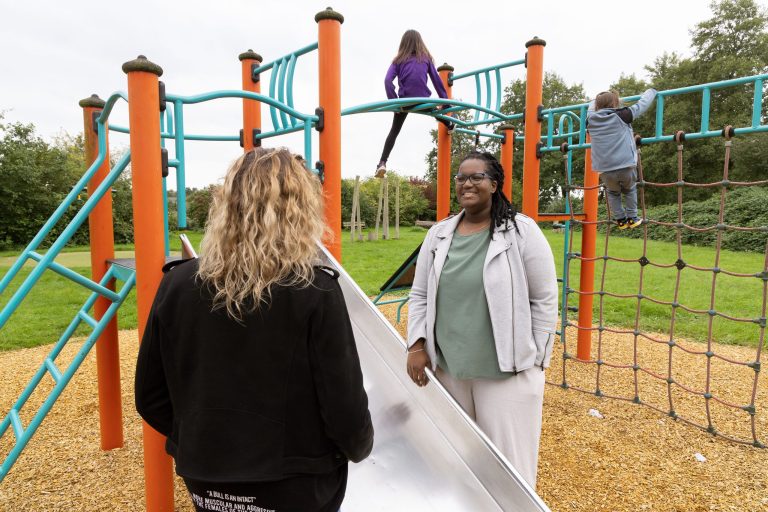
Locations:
(428, 455)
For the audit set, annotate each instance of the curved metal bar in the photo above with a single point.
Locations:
(291, 69)
(281, 92)
(297, 53)
(487, 93)
(489, 68)
(479, 94)
(236, 93)
(498, 90)
(390, 105)
(108, 106)
(272, 83)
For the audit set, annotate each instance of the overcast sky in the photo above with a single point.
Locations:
(57, 52)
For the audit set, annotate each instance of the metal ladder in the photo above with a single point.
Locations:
(48, 367)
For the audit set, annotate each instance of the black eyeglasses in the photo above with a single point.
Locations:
(475, 179)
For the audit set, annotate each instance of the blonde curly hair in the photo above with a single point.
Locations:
(262, 230)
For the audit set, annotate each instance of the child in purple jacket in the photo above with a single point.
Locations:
(411, 66)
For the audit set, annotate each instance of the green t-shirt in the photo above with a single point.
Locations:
(463, 323)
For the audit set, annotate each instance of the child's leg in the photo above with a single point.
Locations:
(397, 124)
(628, 181)
(613, 193)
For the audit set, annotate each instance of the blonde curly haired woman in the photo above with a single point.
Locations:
(248, 364)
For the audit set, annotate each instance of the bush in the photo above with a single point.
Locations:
(744, 207)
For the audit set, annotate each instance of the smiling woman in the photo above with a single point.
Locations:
(487, 329)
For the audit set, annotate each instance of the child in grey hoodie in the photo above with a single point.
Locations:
(614, 153)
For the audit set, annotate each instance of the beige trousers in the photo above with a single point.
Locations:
(508, 411)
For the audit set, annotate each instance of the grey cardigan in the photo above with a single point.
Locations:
(520, 286)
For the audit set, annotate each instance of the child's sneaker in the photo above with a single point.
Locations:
(622, 223)
(451, 127)
(634, 222)
(381, 170)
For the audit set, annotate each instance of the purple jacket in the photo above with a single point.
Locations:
(412, 80)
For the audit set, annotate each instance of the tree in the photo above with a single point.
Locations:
(34, 178)
(414, 205)
(198, 204)
(732, 43)
(555, 93)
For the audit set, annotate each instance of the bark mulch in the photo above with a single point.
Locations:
(633, 458)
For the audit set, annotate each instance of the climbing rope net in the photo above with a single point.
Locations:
(629, 372)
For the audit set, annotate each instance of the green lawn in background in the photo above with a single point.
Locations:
(734, 296)
(48, 310)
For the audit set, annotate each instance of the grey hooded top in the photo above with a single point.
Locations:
(610, 129)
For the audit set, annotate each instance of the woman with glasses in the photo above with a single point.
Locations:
(248, 363)
(483, 309)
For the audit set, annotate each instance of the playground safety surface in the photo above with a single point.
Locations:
(633, 459)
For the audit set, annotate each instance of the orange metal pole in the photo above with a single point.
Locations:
(329, 57)
(588, 241)
(507, 155)
(146, 174)
(251, 108)
(444, 155)
(533, 98)
(102, 239)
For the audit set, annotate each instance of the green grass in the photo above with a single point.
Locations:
(734, 296)
(47, 311)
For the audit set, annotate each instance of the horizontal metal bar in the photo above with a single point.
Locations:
(489, 68)
(282, 131)
(667, 138)
(117, 128)
(393, 301)
(74, 276)
(212, 138)
(85, 317)
(297, 53)
(482, 134)
(235, 93)
(53, 369)
(174, 162)
(376, 106)
(673, 92)
(187, 136)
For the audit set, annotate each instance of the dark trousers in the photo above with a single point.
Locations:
(397, 124)
(310, 493)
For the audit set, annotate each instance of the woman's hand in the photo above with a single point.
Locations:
(417, 362)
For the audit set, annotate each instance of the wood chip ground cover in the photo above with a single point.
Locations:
(633, 458)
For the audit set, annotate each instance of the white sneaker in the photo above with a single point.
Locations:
(381, 170)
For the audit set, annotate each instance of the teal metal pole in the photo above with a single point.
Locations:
(166, 242)
(181, 173)
(705, 104)
(757, 103)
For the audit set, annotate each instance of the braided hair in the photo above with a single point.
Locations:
(502, 210)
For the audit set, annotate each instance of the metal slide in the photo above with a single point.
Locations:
(428, 455)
